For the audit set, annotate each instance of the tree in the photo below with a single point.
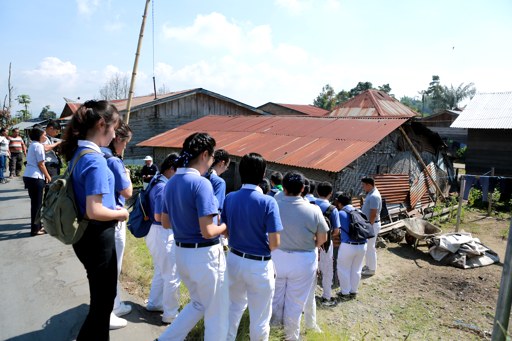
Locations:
(326, 99)
(438, 97)
(5, 113)
(413, 103)
(47, 114)
(453, 96)
(384, 87)
(116, 87)
(360, 87)
(25, 101)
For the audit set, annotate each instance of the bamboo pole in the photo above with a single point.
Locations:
(135, 64)
(501, 318)
(418, 156)
(461, 199)
(489, 196)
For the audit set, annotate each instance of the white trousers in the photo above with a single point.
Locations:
(203, 271)
(350, 264)
(120, 243)
(326, 266)
(371, 251)
(251, 283)
(295, 273)
(310, 306)
(165, 286)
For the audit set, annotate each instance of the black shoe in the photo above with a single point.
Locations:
(343, 298)
(328, 302)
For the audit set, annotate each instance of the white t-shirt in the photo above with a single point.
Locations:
(4, 145)
(34, 156)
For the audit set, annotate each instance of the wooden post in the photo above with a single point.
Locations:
(420, 160)
(489, 196)
(461, 199)
(135, 64)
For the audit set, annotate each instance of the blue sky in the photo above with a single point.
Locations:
(260, 51)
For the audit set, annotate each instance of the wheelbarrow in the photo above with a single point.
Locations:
(418, 229)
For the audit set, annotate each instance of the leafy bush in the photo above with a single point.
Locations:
(135, 174)
(461, 152)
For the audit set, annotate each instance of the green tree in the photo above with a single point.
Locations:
(384, 87)
(413, 103)
(453, 96)
(25, 101)
(46, 113)
(326, 99)
(438, 97)
(360, 87)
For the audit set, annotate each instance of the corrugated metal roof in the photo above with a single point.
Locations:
(487, 111)
(328, 144)
(307, 109)
(372, 103)
(393, 187)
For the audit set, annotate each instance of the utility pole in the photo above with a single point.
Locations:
(136, 63)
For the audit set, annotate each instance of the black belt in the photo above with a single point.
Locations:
(249, 256)
(355, 243)
(197, 245)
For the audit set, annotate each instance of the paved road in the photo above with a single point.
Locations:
(44, 293)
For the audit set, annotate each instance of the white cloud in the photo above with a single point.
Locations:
(216, 31)
(53, 67)
(87, 7)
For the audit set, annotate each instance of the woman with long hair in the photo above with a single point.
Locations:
(91, 127)
(123, 190)
(36, 176)
(200, 260)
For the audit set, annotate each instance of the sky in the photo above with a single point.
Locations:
(281, 51)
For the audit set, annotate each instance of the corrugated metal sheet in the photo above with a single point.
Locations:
(422, 186)
(329, 144)
(307, 109)
(372, 103)
(487, 111)
(393, 187)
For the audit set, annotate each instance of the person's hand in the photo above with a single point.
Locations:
(123, 213)
(48, 179)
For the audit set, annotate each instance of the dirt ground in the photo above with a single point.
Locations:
(415, 298)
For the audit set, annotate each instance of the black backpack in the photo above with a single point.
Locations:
(359, 228)
(327, 217)
(140, 222)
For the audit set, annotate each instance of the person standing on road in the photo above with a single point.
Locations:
(164, 294)
(250, 268)
(18, 149)
(304, 229)
(148, 171)
(35, 177)
(52, 160)
(200, 258)
(4, 154)
(371, 209)
(123, 190)
(93, 126)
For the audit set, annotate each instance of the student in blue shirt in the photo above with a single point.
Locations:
(123, 190)
(200, 258)
(219, 166)
(92, 126)
(350, 254)
(325, 263)
(165, 286)
(253, 226)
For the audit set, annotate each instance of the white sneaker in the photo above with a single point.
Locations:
(122, 310)
(117, 322)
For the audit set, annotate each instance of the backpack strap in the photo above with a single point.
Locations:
(82, 153)
(328, 211)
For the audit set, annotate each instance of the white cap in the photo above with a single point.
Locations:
(148, 158)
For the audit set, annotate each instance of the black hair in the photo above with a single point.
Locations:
(265, 185)
(2, 130)
(312, 187)
(169, 162)
(368, 181)
(293, 182)
(53, 124)
(324, 189)
(305, 191)
(219, 156)
(344, 199)
(276, 178)
(123, 132)
(252, 168)
(35, 133)
(193, 146)
(84, 120)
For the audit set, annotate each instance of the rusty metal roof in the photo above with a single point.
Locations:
(372, 103)
(328, 144)
(307, 109)
(487, 111)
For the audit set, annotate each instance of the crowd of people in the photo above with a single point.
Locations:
(258, 248)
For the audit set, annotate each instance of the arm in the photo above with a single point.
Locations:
(274, 240)
(95, 210)
(209, 229)
(164, 219)
(48, 147)
(373, 216)
(321, 238)
(42, 167)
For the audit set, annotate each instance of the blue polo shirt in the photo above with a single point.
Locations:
(156, 198)
(122, 181)
(188, 197)
(334, 218)
(345, 222)
(250, 215)
(219, 188)
(92, 176)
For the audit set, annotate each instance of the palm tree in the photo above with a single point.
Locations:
(453, 96)
(24, 100)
